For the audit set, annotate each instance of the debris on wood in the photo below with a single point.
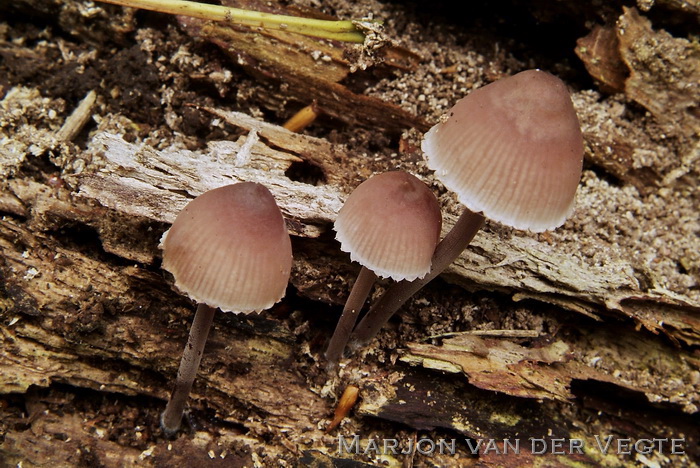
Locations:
(659, 72)
(77, 120)
(664, 73)
(306, 68)
(600, 53)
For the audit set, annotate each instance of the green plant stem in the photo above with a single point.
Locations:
(345, 31)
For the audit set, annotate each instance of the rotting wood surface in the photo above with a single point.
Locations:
(85, 308)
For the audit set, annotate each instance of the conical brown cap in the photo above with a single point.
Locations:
(229, 248)
(391, 225)
(512, 150)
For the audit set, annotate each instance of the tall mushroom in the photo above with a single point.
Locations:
(390, 224)
(227, 249)
(512, 151)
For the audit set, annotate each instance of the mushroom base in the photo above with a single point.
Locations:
(189, 364)
(468, 224)
(358, 295)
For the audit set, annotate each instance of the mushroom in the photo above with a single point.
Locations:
(390, 224)
(227, 249)
(512, 151)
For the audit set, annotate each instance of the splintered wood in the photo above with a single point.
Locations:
(547, 372)
(141, 181)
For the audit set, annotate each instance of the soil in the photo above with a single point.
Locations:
(92, 327)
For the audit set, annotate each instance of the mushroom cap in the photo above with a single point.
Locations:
(391, 224)
(229, 248)
(512, 150)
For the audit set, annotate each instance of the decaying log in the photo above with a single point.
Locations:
(91, 328)
(133, 180)
(139, 181)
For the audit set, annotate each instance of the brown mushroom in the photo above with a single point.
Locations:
(512, 151)
(227, 249)
(390, 224)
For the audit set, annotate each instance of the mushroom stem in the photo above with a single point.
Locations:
(446, 252)
(360, 290)
(191, 357)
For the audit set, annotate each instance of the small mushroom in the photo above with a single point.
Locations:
(227, 249)
(512, 151)
(390, 224)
